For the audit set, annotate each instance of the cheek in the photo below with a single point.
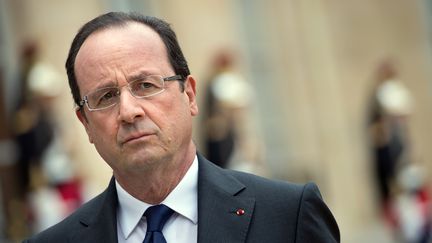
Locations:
(179, 116)
(168, 116)
(103, 130)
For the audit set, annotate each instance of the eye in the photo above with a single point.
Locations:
(145, 85)
(109, 94)
(104, 97)
(149, 86)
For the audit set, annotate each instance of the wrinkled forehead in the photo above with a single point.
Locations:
(129, 38)
(120, 49)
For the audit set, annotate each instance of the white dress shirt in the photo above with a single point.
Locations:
(181, 227)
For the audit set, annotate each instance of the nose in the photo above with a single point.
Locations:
(130, 108)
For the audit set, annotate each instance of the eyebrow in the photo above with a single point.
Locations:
(109, 84)
(139, 75)
(114, 83)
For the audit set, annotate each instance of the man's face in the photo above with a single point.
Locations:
(136, 134)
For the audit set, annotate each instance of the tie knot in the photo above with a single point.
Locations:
(157, 217)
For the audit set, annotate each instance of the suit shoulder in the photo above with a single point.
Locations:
(302, 202)
(260, 187)
(271, 186)
(249, 179)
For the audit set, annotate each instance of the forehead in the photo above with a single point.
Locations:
(118, 49)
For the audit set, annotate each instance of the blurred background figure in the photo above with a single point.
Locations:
(403, 198)
(391, 106)
(32, 127)
(48, 187)
(230, 134)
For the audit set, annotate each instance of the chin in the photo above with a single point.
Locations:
(143, 159)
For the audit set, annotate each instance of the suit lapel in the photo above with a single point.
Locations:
(100, 224)
(219, 200)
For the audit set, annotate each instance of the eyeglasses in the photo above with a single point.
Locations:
(144, 87)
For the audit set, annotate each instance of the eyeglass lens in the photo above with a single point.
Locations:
(105, 97)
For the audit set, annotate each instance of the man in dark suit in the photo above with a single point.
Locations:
(136, 99)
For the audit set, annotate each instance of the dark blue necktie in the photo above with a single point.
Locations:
(156, 219)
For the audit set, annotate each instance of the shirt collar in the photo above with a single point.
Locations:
(183, 200)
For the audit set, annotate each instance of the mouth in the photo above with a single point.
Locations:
(136, 138)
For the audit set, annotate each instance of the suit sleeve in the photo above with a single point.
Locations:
(315, 222)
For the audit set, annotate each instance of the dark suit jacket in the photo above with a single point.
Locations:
(274, 211)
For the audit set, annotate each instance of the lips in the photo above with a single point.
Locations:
(134, 137)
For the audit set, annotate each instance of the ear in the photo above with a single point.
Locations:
(190, 90)
(83, 119)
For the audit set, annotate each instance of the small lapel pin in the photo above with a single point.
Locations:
(240, 212)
